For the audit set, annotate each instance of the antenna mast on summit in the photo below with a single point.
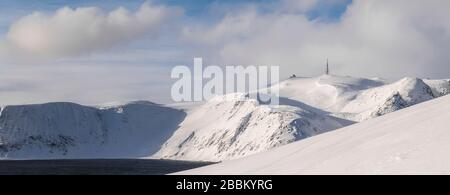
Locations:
(327, 70)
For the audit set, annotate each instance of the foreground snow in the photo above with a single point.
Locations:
(415, 140)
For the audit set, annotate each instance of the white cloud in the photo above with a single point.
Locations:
(86, 84)
(298, 5)
(231, 27)
(373, 38)
(71, 32)
(380, 38)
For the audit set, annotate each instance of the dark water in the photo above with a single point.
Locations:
(95, 167)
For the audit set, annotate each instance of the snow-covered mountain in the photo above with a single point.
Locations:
(67, 130)
(231, 127)
(411, 141)
(223, 128)
(228, 128)
(359, 99)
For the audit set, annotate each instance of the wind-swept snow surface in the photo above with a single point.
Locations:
(415, 140)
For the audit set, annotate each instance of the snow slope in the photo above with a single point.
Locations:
(326, 92)
(381, 100)
(359, 99)
(410, 141)
(439, 87)
(221, 129)
(230, 127)
(67, 130)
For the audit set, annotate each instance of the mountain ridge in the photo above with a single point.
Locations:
(320, 104)
(223, 128)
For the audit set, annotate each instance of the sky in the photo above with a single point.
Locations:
(99, 51)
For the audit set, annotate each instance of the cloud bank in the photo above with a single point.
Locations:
(372, 38)
(73, 32)
(86, 84)
(382, 38)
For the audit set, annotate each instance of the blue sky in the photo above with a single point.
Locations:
(329, 11)
(195, 12)
(12, 9)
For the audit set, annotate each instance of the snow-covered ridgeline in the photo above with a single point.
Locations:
(223, 128)
(67, 130)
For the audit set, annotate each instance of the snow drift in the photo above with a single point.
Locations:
(411, 141)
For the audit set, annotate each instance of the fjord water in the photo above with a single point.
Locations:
(96, 167)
